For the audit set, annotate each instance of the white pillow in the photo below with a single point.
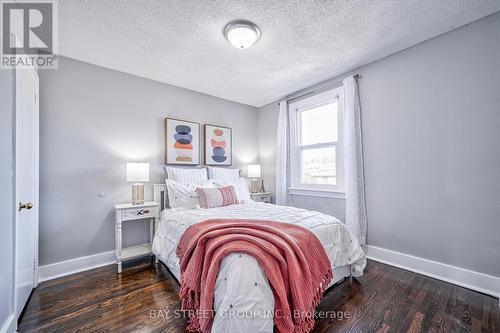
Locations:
(223, 174)
(187, 175)
(183, 196)
(240, 187)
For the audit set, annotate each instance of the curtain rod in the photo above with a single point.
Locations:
(331, 85)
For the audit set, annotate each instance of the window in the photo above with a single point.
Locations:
(316, 147)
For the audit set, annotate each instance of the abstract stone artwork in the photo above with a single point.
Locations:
(218, 145)
(182, 139)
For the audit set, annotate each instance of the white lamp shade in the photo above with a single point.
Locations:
(138, 172)
(254, 171)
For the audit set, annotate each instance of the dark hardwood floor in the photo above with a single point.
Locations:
(385, 299)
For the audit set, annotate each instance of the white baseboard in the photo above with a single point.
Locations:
(483, 283)
(8, 325)
(63, 268)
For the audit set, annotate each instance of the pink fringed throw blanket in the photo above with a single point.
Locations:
(292, 258)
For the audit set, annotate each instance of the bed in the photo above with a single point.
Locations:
(243, 300)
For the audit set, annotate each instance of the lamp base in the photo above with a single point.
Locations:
(254, 186)
(137, 194)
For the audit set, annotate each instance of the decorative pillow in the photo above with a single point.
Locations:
(223, 174)
(187, 175)
(216, 197)
(184, 196)
(240, 188)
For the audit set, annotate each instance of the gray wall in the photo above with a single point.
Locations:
(268, 120)
(431, 130)
(92, 121)
(6, 195)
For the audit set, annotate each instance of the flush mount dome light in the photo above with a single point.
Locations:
(242, 34)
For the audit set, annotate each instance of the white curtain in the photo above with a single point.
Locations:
(353, 162)
(282, 168)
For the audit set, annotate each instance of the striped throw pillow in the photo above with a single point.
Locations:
(216, 197)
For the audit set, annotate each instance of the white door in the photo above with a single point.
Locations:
(26, 151)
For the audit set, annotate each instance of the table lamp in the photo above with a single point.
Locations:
(138, 172)
(254, 173)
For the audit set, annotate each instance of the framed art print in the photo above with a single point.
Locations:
(218, 145)
(182, 142)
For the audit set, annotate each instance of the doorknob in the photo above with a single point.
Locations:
(27, 205)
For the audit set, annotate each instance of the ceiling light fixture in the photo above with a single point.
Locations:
(242, 34)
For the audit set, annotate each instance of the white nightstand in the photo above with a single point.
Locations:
(261, 197)
(128, 212)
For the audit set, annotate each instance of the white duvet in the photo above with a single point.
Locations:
(243, 300)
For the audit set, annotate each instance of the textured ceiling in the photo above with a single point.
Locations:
(303, 42)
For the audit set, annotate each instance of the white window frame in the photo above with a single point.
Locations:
(296, 187)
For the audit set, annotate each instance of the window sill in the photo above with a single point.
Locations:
(317, 193)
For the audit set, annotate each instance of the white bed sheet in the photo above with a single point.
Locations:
(243, 299)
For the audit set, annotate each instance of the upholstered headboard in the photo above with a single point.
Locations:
(160, 195)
